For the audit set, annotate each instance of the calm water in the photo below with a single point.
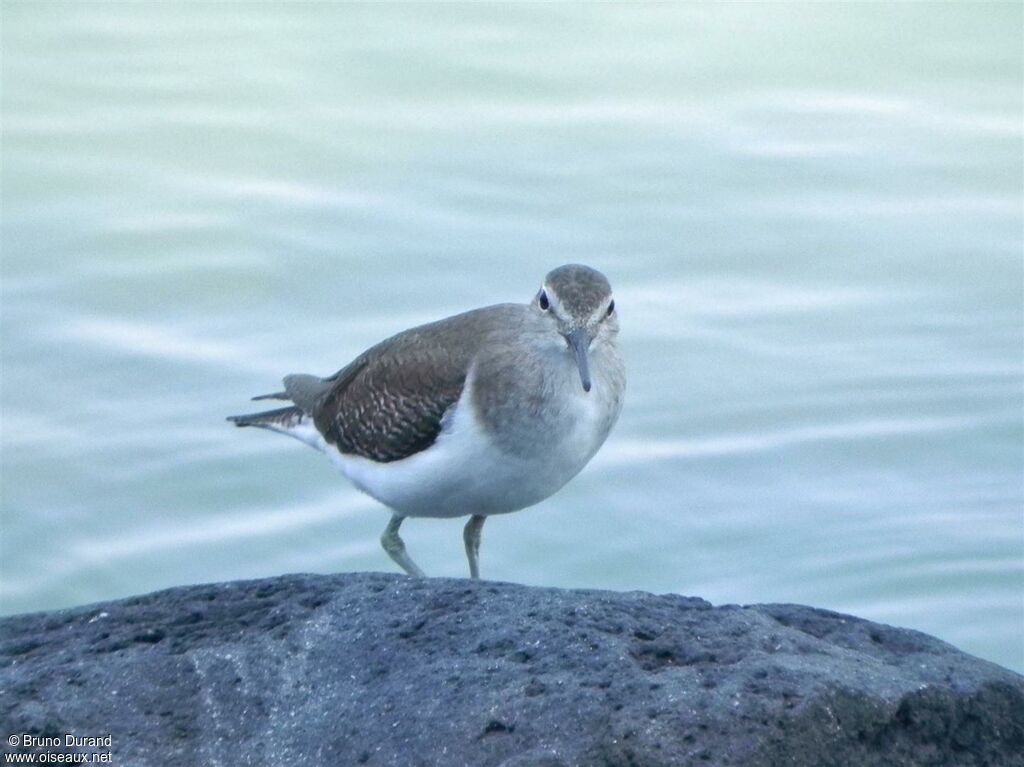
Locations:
(811, 214)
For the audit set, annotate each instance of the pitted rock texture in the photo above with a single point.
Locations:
(387, 670)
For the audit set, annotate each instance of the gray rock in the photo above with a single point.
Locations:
(388, 670)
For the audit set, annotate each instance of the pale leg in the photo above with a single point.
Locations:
(395, 548)
(471, 535)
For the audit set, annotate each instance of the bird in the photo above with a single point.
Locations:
(485, 412)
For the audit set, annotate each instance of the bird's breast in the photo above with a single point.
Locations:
(538, 408)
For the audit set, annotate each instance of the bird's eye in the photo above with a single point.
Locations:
(542, 301)
(611, 309)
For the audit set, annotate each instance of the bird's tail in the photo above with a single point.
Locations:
(281, 419)
(293, 421)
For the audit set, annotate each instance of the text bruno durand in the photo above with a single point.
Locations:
(54, 749)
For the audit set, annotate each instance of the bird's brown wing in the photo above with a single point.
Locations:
(388, 404)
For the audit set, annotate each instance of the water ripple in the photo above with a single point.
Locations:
(627, 451)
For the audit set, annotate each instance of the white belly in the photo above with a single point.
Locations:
(464, 472)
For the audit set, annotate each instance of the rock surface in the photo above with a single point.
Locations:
(387, 670)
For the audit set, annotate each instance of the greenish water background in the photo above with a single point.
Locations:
(811, 214)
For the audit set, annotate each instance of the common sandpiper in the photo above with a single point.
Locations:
(485, 412)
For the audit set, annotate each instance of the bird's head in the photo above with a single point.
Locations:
(578, 301)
